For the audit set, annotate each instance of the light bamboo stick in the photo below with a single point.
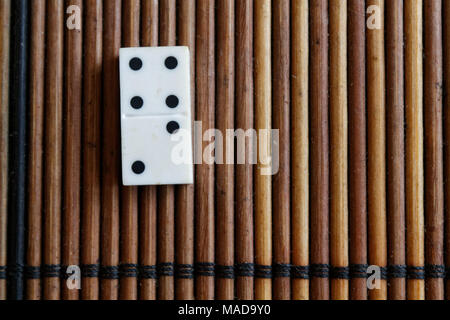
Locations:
(225, 172)
(300, 150)
(53, 149)
(91, 191)
(414, 147)
(434, 166)
(376, 121)
(148, 194)
(338, 149)
(281, 122)
(73, 71)
(244, 172)
(184, 225)
(263, 123)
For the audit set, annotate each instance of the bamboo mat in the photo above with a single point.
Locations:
(352, 95)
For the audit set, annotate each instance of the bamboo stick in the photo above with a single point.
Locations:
(263, 122)
(224, 171)
(300, 151)
(395, 105)
(110, 151)
(319, 170)
(167, 22)
(376, 104)
(357, 164)
(446, 30)
(434, 171)
(414, 147)
(204, 188)
(244, 172)
(149, 23)
(91, 200)
(184, 235)
(53, 149)
(5, 14)
(72, 146)
(281, 122)
(147, 196)
(166, 209)
(129, 195)
(35, 171)
(338, 149)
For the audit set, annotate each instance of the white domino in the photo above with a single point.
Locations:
(156, 116)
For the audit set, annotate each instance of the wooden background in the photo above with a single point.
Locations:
(357, 90)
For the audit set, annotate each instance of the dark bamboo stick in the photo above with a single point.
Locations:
(244, 244)
(434, 173)
(300, 150)
(319, 171)
(91, 196)
(446, 30)
(395, 115)
(204, 188)
(281, 121)
(17, 148)
(357, 164)
(129, 195)
(110, 151)
(5, 14)
(414, 148)
(224, 171)
(184, 224)
(53, 149)
(148, 195)
(166, 194)
(72, 146)
(338, 150)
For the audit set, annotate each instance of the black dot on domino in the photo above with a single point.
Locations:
(171, 63)
(173, 127)
(137, 102)
(135, 64)
(172, 101)
(138, 167)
